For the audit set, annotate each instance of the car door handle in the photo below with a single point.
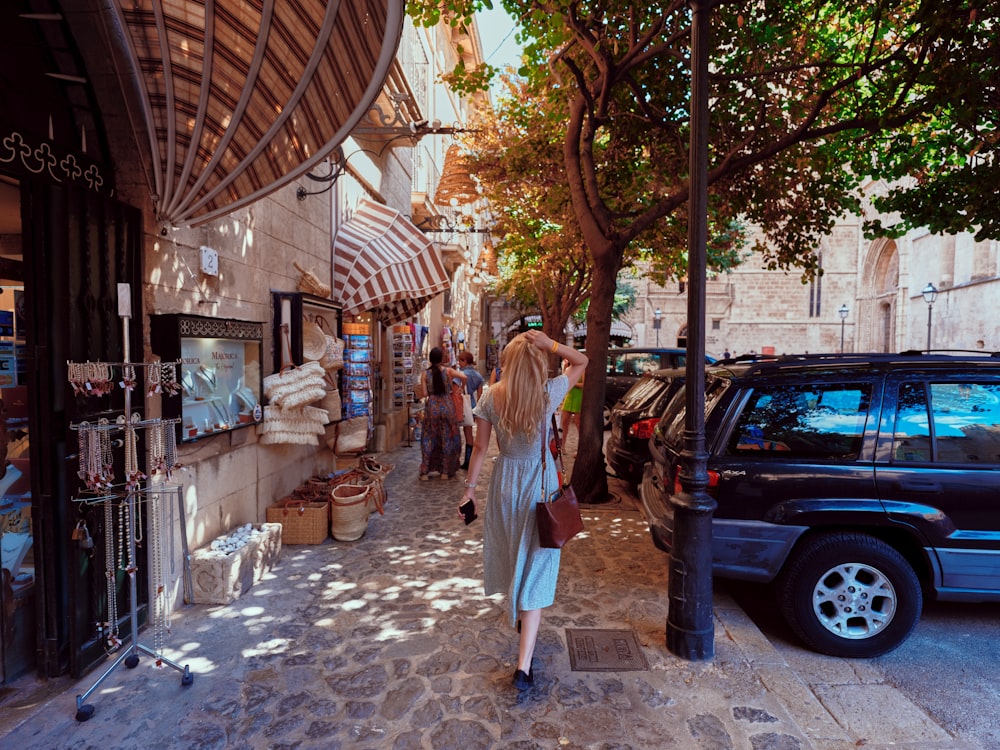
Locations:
(919, 486)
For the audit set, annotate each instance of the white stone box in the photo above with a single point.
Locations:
(221, 575)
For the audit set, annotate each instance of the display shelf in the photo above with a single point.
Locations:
(356, 381)
(401, 341)
(295, 309)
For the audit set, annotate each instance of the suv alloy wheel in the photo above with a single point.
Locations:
(850, 595)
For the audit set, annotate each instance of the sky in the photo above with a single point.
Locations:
(496, 32)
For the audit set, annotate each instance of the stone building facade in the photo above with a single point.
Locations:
(752, 309)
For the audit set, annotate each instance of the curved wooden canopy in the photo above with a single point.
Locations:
(237, 98)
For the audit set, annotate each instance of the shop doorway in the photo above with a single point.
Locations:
(18, 578)
(63, 252)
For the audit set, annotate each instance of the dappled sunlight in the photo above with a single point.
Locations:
(264, 648)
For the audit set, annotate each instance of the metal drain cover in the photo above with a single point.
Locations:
(599, 650)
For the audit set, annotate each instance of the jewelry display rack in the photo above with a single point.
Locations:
(96, 470)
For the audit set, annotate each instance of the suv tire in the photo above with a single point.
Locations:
(850, 595)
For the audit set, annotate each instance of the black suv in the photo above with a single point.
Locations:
(633, 419)
(856, 483)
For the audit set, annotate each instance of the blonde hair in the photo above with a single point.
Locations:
(521, 395)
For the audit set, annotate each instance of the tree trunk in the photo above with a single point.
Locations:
(590, 479)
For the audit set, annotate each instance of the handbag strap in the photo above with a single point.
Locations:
(545, 463)
(558, 457)
(544, 441)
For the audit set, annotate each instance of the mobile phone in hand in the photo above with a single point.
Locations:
(468, 509)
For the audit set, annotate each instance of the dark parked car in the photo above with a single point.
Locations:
(633, 419)
(857, 484)
(626, 366)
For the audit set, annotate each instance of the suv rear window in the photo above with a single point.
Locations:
(965, 428)
(642, 392)
(671, 425)
(803, 421)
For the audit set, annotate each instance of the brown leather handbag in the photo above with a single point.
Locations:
(559, 519)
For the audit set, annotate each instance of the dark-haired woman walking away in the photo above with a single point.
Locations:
(441, 442)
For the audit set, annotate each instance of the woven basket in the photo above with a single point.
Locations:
(301, 522)
(377, 497)
(349, 511)
(369, 465)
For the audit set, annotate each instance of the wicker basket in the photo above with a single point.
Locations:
(301, 522)
(377, 495)
(349, 511)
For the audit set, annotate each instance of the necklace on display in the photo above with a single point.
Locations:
(207, 376)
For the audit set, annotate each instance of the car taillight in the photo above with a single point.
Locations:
(643, 429)
(713, 481)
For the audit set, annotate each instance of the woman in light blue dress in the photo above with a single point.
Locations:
(519, 408)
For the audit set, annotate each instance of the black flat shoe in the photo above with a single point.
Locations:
(524, 681)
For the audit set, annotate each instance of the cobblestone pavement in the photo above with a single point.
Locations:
(388, 642)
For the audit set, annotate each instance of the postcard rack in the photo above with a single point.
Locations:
(123, 501)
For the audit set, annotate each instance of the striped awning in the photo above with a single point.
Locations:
(383, 263)
(235, 99)
(619, 328)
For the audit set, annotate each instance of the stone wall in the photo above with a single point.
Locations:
(230, 479)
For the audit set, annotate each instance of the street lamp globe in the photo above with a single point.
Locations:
(843, 312)
(930, 293)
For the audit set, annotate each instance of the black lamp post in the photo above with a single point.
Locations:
(842, 312)
(657, 313)
(930, 293)
(690, 628)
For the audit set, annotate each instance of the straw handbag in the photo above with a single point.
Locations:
(330, 403)
(352, 435)
(313, 341)
(294, 386)
(333, 355)
(301, 426)
(310, 283)
(349, 511)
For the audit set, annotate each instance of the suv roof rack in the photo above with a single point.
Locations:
(975, 352)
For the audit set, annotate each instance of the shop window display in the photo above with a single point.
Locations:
(220, 373)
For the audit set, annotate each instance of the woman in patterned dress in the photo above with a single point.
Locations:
(519, 408)
(441, 441)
